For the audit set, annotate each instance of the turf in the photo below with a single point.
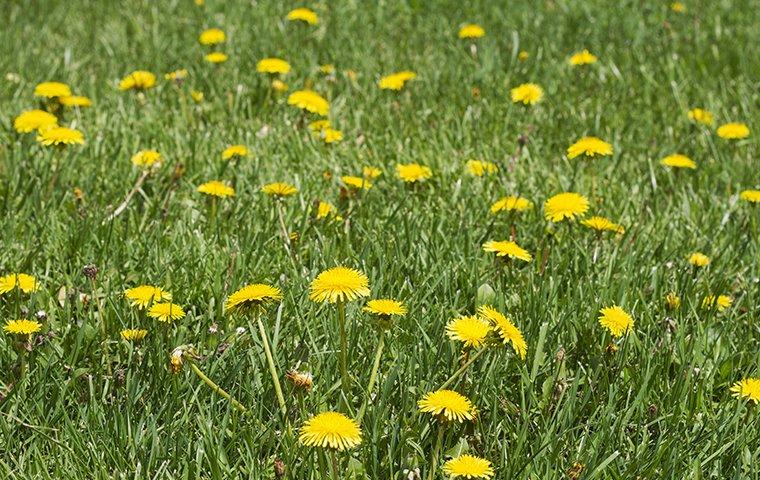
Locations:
(95, 406)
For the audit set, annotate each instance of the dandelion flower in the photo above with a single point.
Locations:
(583, 58)
(52, 90)
(447, 404)
(385, 306)
(166, 312)
(309, 101)
(672, 301)
(279, 85)
(330, 430)
(216, 57)
(32, 120)
(324, 209)
(507, 248)
(527, 93)
(339, 284)
(216, 188)
(304, 15)
(589, 146)
(371, 172)
(212, 36)
(480, 168)
(273, 65)
(234, 151)
(22, 327)
(507, 330)
(616, 320)
(396, 81)
(60, 136)
(602, 224)
(196, 95)
(25, 283)
(146, 158)
(138, 80)
(523, 56)
(565, 205)
(144, 295)
(413, 172)
(252, 296)
(471, 30)
(699, 259)
(678, 7)
(75, 101)
(468, 466)
(358, 183)
(176, 76)
(678, 161)
(330, 135)
(133, 335)
(748, 388)
(722, 302)
(752, 196)
(470, 330)
(733, 131)
(511, 204)
(699, 115)
(319, 125)
(327, 69)
(279, 189)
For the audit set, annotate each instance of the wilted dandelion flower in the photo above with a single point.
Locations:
(26, 283)
(279, 189)
(310, 101)
(273, 65)
(733, 131)
(60, 136)
(602, 224)
(468, 466)
(507, 248)
(470, 330)
(339, 284)
(216, 57)
(507, 330)
(748, 388)
(371, 172)
(32, 120)
(396, 81)
(252, 296)
(583, 57)
(385, 306)
(52, 90)
(304, 15)
(133, 335)
(479, 168)
(511, 204)
(166, 312)
(589, 146)
(304, 380)
(527, 93)
(330, 430)
(75, 101)
(146, 158)
(699, 259)
(678, 161)
(144, 295)
(616, 320)
(234, 151)
(721, 301)
(358, 183)
(413, 172)
(565, 205)
(447, 404)
(22, 327)
(699, 115)
(672, 301)
(212, 36)
(216, 188)
(752, 196)
(471, 30)
(138, 80)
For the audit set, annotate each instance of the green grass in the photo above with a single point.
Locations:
(659, 407)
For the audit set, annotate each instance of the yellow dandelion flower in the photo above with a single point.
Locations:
(470, 330)
(32, 120)
(216, 188)
(330, 430)
(324, 209)
(330, 135)
(279, 85)
(413, 172)
(22, 327)
(748, 388)
(527, 93)
(234, 151)
(310, 101)
(273, 65)
(507, 248)
(583, 57)
(279, 189)
(52, 90)
(511, 204)
(75, 101)
(166, 312)
(672, 301)
(733, 131)
(339, 284)
(60, 136)
(319, 125)
(721, 301)
(699, 259)
(616, 320)
(212, 36)
(196, 95)
(176, 76)
(589, 146)
(22, 281)
(396, 81)
(699, 115)
(216, 57)
(385, 306)
(471, 30)
(358, 183)
(447, 404)
(523, 56)
(143, 295)
(752, 196)
(254, 296)
(327, 69)
(304, 15)
(371, 172)
(507, 330)
(480, 168)
(133, 334)
(678, 161)
(678, 7)
(146, 158)
(602, 224)
(565, 205)
(138, 80)
(468, 466)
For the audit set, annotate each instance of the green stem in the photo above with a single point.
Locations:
(436, 449)
(463, 368)
(343, 349)
(216, 388)
(272, 368)
(334, 464)
(372, 376)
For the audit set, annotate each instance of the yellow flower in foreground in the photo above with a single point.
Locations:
(413, 172)
(699, 259)
(468, 466)
(510, 204)
(507, 330)
(699, 115)
(583, 58)
(60, 136)
(748, 388)
(471, 30)
(358, 183)
(396, 81)
(678, 7)
(565, 205)
(252, 296)
(470, 330)
(52, 90)
(279, 189)
(371, 172)
(678, 161)
(507, 248)
(447, 404)
(309, 101)
(616, 320)
(339, 284)
(324, 209)
(479, 168)
(133, 335)
(212, 36)
(166, 312)
(330, 430)
(22, 327)
(752, 196)
(75, 101)
(146, 158)
(589, 146)
(138, 80)
(527, 93)
(304, 15)
(234, 151)
(273, 65)
(385, 306)
(601, 224)
(216, 57)
(32, 120)
(722, 302)
(733, 131)
(217, 189)
(144, 295)
(25, 283)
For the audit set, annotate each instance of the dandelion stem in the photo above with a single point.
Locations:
(463, 368)
(272, 368)
(213, 386)
(334, 464)
(434, 455)
(343, 348)
(372, 375)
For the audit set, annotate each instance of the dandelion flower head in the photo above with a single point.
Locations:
(447, 404)
(471, 330)
(616, 320)
(339, 284)
(330, 430)
(33, 120)
(143, 295)
(468, 466)
(565, 205)
(507, 330)
(252, 296)
(22, 327)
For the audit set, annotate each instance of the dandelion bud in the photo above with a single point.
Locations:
(90, 271)
(175, 362)
(672, 301)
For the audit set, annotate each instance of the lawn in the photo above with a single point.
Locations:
(543, 377)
